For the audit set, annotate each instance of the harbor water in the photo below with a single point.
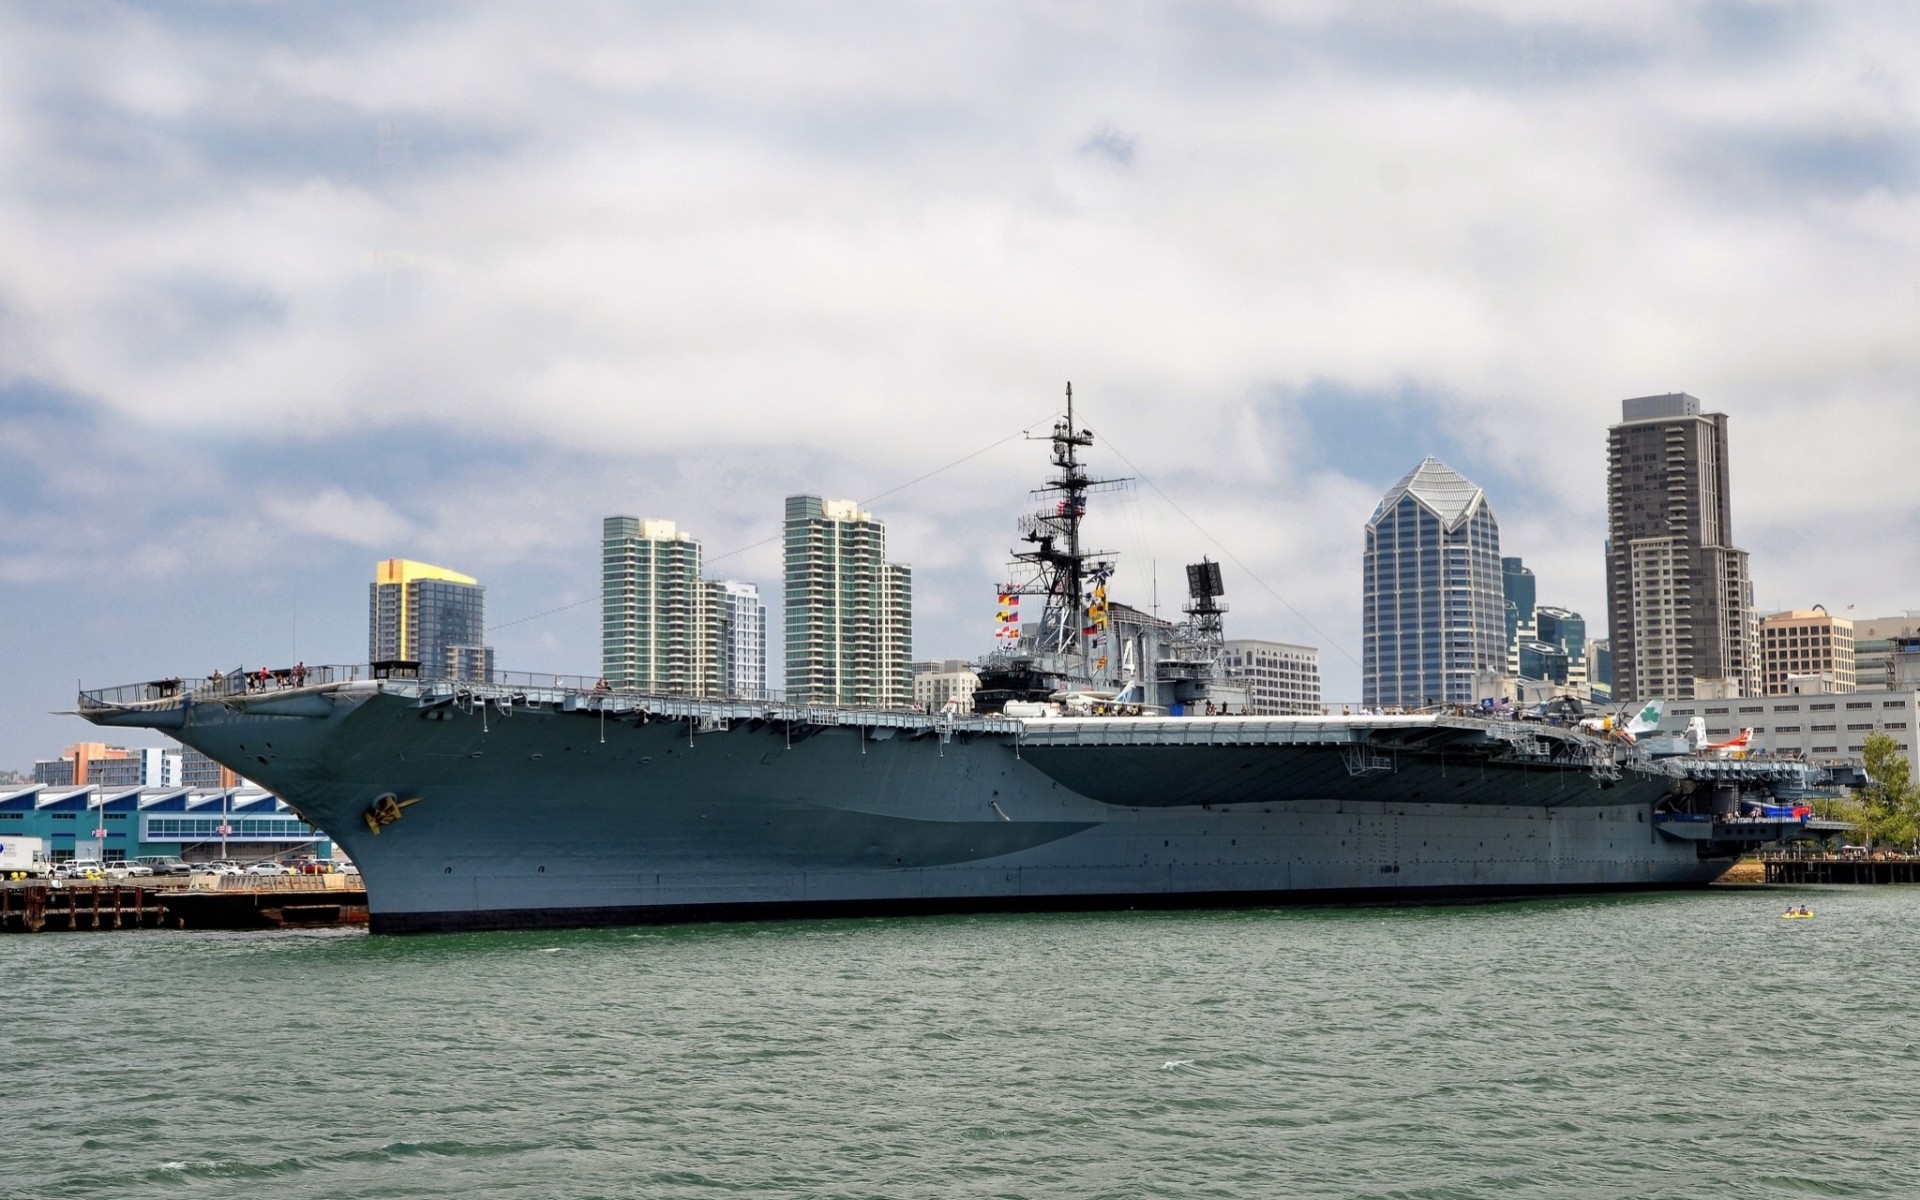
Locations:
(1679, 1045)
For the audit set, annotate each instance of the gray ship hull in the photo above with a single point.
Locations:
(511, 811)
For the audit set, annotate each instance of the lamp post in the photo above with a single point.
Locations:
(100, 830)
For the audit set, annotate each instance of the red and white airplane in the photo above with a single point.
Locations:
(1733, 747)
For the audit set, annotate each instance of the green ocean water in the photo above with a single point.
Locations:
(1686, 1045)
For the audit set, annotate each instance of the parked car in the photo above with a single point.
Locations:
(165, 864)
(268, 868)
(128, 869)
(345, 867)
(220, 867)
(80, 868)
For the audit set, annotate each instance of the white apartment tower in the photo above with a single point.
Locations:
(849, 626)
(656, 613)
(740, 634)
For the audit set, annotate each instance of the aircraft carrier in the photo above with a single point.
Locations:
(501, 805)
(1097, 780)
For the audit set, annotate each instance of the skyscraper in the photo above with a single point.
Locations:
(1433, 619)
(656, 612)
(740, 632)
(430, 615)
(1679, 597)
(1519, 586)
(849, 628)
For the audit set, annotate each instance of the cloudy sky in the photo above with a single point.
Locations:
(287, 289)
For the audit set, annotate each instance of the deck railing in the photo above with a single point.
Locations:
(243, 681)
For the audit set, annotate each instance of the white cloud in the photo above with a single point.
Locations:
(606, 259)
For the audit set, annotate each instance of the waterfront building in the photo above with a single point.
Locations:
(938, 682)
(115, 771)
(1873, 640)
(428, 615)
(54, 772)
(657, 624)
(1679, 597)
(181, 821)
(1819, 727)
(1432, 619)
(1805, 643)
(202, 774)
(849, 612)
(740, 633)
(1279, 678)
(85, 762)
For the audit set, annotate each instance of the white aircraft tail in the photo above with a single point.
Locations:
(1646, 720)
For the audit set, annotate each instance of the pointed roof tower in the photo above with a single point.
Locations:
(1444, 492)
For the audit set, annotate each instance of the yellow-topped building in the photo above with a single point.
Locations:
(431, 615)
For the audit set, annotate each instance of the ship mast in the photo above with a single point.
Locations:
(1057, 566)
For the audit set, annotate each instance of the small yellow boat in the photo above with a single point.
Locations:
(1797, 916)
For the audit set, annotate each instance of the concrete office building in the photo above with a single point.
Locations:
(1819, 727)
(429, 615)
(1600, 669)
(1433, 614)
(936, 683)
(1279, 678)
(1806, 644)
(1873, 642)
(657, 620)
(1679, 597)
(201, 773)
(96, 764)
(849, 612)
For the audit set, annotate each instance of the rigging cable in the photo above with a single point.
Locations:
(1225, 551)
(1017, 435)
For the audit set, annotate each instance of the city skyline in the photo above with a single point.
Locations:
(285, 290)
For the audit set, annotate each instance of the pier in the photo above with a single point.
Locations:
(31, 908)
(1837, 869)
(272, 902)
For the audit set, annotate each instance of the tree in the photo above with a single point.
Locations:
(1888, 808)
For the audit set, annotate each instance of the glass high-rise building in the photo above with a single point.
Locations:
(1433, 615)
(1680, 609)
(1520, 589)
(849, 612)
(421, 613)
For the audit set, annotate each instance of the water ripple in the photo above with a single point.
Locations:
(1668, 1046)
